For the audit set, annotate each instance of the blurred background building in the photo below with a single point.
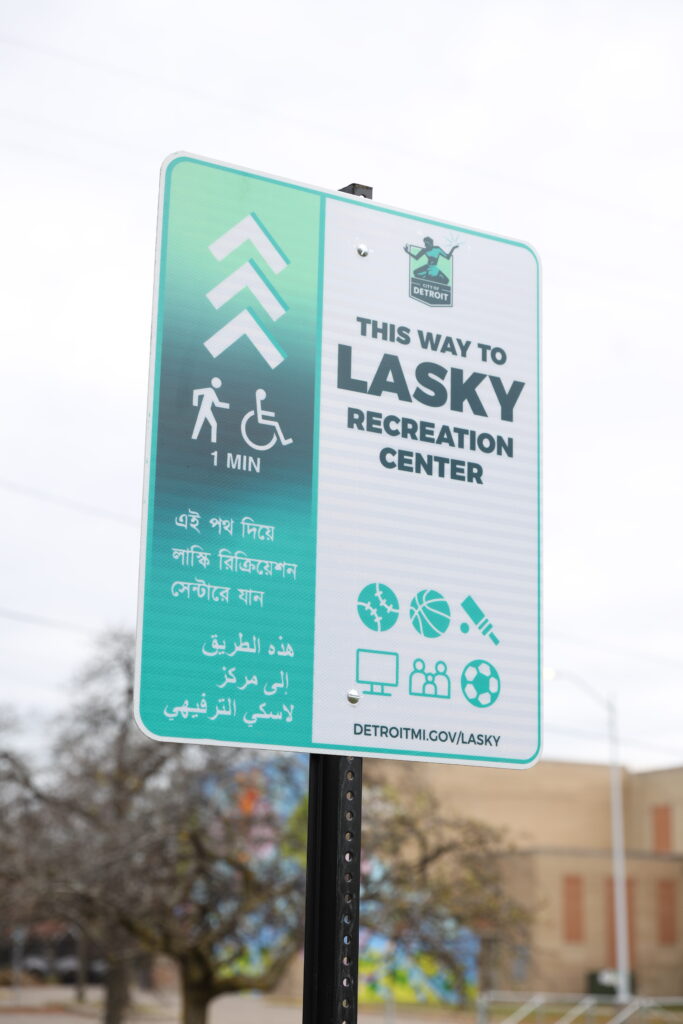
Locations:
(561, 868)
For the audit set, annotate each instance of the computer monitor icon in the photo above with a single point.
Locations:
(378, 670)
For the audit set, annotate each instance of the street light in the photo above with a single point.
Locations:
(621, 923)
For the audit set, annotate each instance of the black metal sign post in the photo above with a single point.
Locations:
(332, 890)
(335, 793)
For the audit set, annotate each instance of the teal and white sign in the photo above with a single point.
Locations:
(342, 541)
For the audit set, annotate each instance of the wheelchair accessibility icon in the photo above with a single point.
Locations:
(264, 418)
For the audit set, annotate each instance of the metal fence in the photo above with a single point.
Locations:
(569, 1008)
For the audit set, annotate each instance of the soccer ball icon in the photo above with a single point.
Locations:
(480, 683)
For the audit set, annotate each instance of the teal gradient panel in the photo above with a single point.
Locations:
(191, 673)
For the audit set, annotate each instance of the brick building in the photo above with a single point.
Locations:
(558, 817)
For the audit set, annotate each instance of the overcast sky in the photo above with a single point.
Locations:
(552, 123)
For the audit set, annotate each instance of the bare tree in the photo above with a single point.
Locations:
(17, 895)
(231, 868)
(433, 883)
(73, 811)
(173, 848)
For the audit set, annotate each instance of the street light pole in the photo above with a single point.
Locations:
(619, 882)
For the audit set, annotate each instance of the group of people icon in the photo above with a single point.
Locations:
(429, 684)
(207, 400)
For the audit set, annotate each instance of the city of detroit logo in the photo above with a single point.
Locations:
(430, 271)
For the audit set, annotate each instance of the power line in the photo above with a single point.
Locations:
(630, 741)
(91, 63)
(626, 652)
(153, 80)
(77, 506)
(39, 620)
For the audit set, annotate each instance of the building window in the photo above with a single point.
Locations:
(666, 912)
(661, 829)
(572, 886)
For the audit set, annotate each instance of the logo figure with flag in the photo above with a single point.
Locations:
(431, 281)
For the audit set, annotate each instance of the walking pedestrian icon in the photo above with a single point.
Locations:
(207, 400)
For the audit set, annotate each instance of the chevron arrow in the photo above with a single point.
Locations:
(248, 276)
(245, 325)
(251, 230)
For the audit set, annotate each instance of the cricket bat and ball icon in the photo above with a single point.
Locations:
(483, 624)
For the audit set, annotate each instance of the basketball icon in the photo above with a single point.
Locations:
(430, 613)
